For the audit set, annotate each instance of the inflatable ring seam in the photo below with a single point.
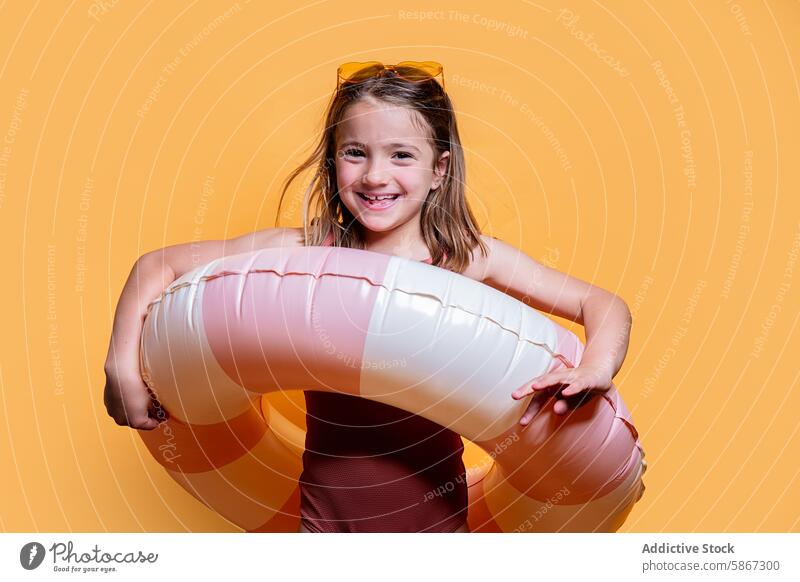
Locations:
(172, 289)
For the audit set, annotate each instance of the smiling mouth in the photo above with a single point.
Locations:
(378, 201)
(377, 197)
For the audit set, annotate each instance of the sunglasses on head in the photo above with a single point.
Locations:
(413, 71)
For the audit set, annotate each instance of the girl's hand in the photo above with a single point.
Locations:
(566, 383)
(130, 402)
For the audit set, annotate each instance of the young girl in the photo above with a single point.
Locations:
(390, 179)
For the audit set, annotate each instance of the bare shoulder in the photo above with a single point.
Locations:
(500, 257)
(479, 267)
(287, 237)
(268, 238)
(503, 259)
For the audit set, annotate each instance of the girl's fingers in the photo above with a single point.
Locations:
(573, 389)
(563, 377)
(526, 418)
(538, 384)
(533, 409)
(522, 392)
(574, 401)
(547, 380)
(157, 412)
(561, 406)
(565, 401)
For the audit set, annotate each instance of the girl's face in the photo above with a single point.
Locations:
(380, 153)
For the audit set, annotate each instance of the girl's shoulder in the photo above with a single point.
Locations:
(478, 267)
(275, 237)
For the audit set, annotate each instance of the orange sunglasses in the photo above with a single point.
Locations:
(414, 71)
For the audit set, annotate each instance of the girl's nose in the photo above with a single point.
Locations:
(375, 175)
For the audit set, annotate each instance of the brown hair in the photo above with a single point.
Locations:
(448, 225)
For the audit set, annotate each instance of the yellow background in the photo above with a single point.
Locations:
(648, 147)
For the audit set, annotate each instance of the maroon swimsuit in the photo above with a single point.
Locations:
(371, 467)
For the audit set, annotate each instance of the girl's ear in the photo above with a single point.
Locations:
(440, 169)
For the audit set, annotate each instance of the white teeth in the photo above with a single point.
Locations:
(379, 198)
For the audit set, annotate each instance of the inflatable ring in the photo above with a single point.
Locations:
(224, 337)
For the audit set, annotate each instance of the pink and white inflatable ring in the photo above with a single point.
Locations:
(432, 342)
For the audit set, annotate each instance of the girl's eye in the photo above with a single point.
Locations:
(355, 152)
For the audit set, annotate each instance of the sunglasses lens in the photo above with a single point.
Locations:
(418, 71)
(412, 74)
(354, 72)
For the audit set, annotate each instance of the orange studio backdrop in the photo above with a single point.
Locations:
(650, 148)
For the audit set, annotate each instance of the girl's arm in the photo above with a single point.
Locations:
(605, 316)
(126, 395)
